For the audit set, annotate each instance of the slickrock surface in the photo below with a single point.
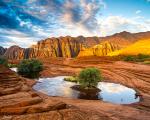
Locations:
(132, 75)
(17, 98)
(19, 102)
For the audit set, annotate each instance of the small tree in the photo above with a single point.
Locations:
(30, 68)
(89, 77)
(3, 61)
(129, 58)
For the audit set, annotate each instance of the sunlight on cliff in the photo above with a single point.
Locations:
(140, 47)
(101, 49)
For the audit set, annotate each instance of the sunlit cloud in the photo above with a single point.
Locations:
(115, 24)
(33, 20)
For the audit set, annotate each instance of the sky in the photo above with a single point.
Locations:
(24, 22)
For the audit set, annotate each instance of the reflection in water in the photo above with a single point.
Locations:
(110, 92)
(88, 96)
(14, 69)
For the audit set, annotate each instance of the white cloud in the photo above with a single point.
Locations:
(114, 24)
(14, 37)
(138, 11)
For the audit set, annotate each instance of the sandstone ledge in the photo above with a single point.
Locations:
(26, 104)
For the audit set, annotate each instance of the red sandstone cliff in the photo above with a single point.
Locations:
(71, 46)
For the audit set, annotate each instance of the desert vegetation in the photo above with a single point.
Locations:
(71, 79)
(12, 65)
(3, 61)
(89, 77)
(136, 58)
(30, 68)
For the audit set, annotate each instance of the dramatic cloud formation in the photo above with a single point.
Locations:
(24, 22)
(43, 18)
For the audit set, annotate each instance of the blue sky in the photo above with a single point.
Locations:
(24, 22)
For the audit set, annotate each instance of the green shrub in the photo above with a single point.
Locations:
(3, 61)
(89, 77)
(136, 58)
(71, 79)
(30, 68)
(128, 58)
(12, 65)
(142, 57)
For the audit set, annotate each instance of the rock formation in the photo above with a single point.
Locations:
(52, 47)
(14, 52)
(139, 47)
(118, 41)
(2, 50)
(102, 49)
(17, 97)
(69, 47)
(19, 102)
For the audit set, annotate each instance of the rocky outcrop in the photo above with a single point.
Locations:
(112, 44)
(69, 47)
(123, 39)
(14, 52)
(139, 47)
(58, 47)
(2, 51)
(17, 97)
(52, 47)
(102, 49)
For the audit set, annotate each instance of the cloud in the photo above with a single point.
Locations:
(24, 22)
(138, 11)
(115, 24)
(39, 19)
(13, 37)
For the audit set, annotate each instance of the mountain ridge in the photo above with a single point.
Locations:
(72, 46)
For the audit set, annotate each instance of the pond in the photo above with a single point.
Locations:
(110, 92)
(14, 69)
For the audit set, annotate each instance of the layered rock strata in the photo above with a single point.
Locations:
(69, 47)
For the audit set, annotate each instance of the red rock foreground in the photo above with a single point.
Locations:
(132, 75)
(19, 102)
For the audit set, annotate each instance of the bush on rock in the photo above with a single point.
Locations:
(30, 68)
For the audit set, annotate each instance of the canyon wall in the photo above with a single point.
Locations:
(52, 47)
(74, 46)
(118, 41)
(102, 49)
